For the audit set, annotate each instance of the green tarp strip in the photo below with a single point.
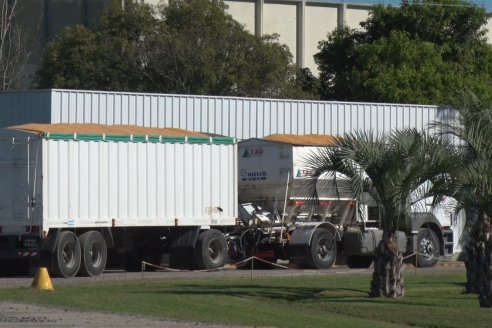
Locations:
(141, 138)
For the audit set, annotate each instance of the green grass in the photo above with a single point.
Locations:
(435, 300)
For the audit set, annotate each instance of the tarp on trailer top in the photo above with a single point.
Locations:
(303, 140)
(105, 129)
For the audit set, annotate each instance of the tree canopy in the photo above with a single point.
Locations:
(419, 52)
(189, 46)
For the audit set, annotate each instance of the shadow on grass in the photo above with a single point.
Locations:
(293, 294)
(436, 283)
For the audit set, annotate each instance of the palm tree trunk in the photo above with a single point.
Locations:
(471, 272)
(479, 262)
(387, 278)
(472, 262)
(483, 250)
(484, 277)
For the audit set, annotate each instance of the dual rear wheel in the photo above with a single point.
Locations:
(85, 255)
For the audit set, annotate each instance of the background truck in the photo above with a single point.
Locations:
(75, 196)
(273, 199)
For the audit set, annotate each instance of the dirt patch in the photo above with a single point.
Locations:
(27, 315)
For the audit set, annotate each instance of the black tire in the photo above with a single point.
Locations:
(210, 250)
(428, 248)
(94, 254)
(322, 252)
(359, 261)
(66, 257)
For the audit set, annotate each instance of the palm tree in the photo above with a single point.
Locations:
(471, 185)
(391, 168)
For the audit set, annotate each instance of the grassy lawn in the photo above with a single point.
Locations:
(435, 300)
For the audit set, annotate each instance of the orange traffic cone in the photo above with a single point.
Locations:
(42, 280)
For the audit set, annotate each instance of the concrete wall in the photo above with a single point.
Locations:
(301, 24)
(320, 20)
(489, 28)
(243, 12)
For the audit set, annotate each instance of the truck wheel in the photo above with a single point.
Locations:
(67, 255)
(210, 250)
(94, 254)
(359, 262)
(323, 249)
(428, 249)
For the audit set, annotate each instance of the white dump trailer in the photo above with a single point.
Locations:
(74, 195)
(272, 176)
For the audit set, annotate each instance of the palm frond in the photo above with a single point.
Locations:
(389, 167)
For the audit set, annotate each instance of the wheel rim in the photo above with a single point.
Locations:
(68, 255)
(215, 251)
(324, 248)
(427, 248)
(95, 255)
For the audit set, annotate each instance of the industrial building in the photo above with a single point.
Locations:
(301, 24)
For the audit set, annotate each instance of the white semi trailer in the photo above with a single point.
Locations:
(74, 194)
(273, 196)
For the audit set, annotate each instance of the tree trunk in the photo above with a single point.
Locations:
(471, 273)
(478, 263)
(472, 263)
(483, 254)
(387, 279)
(484, 277)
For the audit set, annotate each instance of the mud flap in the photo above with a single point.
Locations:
(299, 245)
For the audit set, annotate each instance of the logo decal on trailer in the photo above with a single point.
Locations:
(253, 175)
(303, 172)
(252, 152)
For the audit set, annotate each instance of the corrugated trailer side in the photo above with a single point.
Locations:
(96, 181)
(237, 117)
(132, 196)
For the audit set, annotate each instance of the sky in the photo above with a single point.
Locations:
(486, 3)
